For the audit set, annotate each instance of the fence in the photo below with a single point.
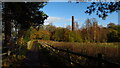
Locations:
(101, 63)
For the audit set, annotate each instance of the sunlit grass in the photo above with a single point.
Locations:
(110, 51)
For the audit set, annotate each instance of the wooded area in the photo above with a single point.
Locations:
(89, 32)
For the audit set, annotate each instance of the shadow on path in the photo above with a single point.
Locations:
(39, 57)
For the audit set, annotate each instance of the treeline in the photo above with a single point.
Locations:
(89, 32)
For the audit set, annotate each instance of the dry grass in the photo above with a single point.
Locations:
(110, 51)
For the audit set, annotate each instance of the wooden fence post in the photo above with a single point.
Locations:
(69, 58)
(99, 64)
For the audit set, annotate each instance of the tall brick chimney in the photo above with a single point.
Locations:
(72, 23)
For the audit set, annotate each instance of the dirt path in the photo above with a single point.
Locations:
(35, 58)
(39, 57)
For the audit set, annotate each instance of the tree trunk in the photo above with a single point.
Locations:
(7, 32)
(7, 20)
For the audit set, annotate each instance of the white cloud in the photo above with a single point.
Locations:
(67, 20)
(51, 20)
(63, 22)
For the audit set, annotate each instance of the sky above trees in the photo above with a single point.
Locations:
(60, 14)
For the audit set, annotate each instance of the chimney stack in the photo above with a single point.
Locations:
(72, 23)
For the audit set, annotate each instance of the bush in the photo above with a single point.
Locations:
(73, 36)
(26, 37)
(59, 34)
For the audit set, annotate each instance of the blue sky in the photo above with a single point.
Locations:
(60, 14)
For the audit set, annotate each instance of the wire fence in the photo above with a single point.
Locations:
(66, 54)
(101, 62)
